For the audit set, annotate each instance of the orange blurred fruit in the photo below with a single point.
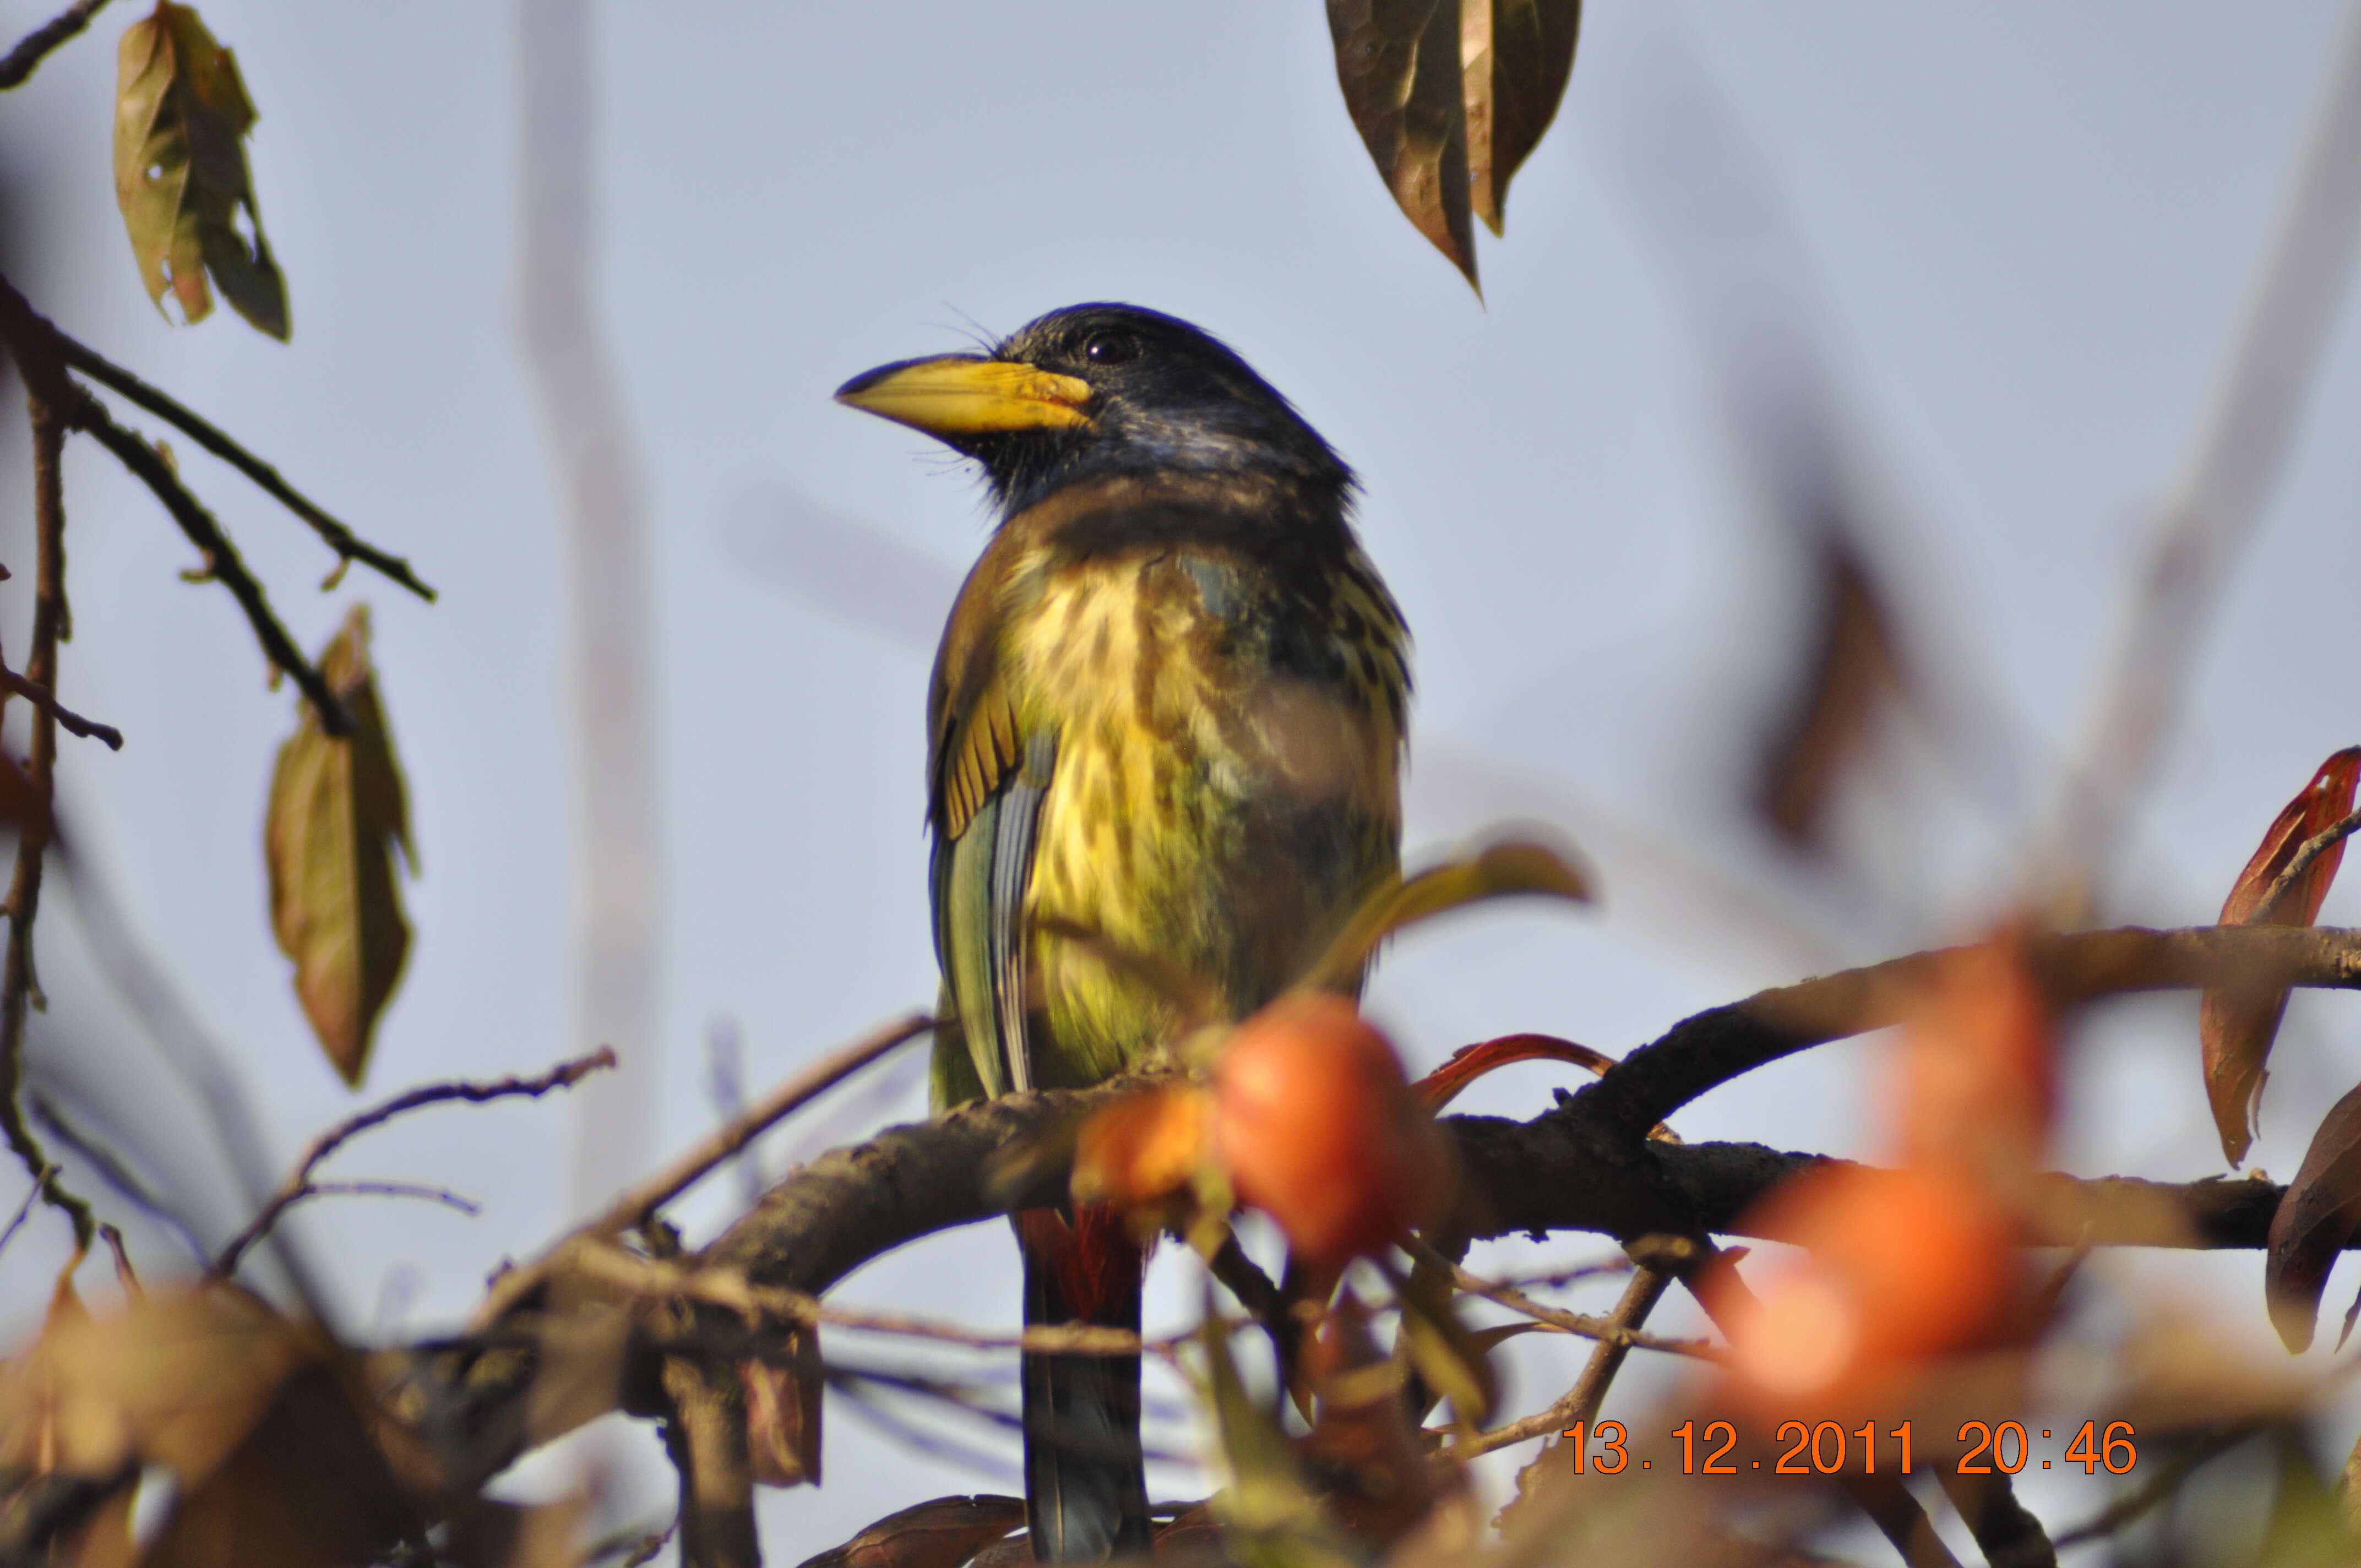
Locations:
(1143, 1148)
(1318, 1127)
(1901, 1267)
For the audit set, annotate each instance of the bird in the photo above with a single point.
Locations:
(1169, 715)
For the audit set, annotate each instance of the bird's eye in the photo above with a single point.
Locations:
(1110, 349)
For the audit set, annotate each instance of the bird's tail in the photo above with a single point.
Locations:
(1085, 1486)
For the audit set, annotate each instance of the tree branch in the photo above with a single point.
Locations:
(221, 559)
(1703, 1052)
(51, 398)
(1573, 1167)
(635, 1207)
(32, 336)
(35, 46)
(41, 697)
(348, 546)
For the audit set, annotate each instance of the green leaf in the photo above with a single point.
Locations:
(336, 810)
(180, 119)
(1512, 866)
(1453, 1363)
(1274, 1519)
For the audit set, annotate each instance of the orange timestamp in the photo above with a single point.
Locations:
(1828, 1448)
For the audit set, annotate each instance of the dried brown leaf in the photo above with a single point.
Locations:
(487, 1534)
(263, 1430)
(1822, 733)
(180, 119)
(783, 1412)
(943, 1533)
(1516, 57)
(2317, 1215)
(2236, 1026)
(337, 809)
(1398, 61)
(579, 1368)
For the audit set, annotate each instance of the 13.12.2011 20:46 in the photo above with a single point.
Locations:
(1826, 1448)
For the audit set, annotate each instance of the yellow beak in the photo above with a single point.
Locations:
(963, 394)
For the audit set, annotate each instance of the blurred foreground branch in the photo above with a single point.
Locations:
(1578, 1167)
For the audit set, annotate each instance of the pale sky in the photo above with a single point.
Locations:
(2032, 228)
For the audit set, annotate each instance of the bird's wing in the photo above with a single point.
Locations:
(988, 778)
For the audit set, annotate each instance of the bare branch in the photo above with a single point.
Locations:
(2155, 1487)
(32, 1196)
(562, 1076)
(348, 546)
(1581, 1402)
(1575, 1167)
(51, 401)
(442, 1195)
(40, 697)
(1607, 1331)
(35, 46)
(221, 559)
(111, 1170)
(1707, 1051)
(635, 1207)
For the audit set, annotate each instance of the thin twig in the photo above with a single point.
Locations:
(32, 1195)
(40, 697)
(35, 46)
(114, 1173)
(442, 1195)
(562, 1076)
(1582, 1401)
(2233, 460)
(221, 559)
(2154, 1489)
(2319, 844)
(655, 1278)
(1883, 1496)
(1605, 1330)
(347, 544)
(643, 1199)
(51, 403)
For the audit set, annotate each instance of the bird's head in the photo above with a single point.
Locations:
(1095, 391)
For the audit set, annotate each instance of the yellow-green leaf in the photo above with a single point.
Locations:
(1275, 1518)
(1515, 865)
(338, 808)
(180, 119)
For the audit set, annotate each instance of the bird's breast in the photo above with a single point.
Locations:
(1227, 779)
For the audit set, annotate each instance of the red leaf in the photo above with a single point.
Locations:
(943, 1533)
(1468, 1063)
(2315, 1219)
(2236, 1026)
